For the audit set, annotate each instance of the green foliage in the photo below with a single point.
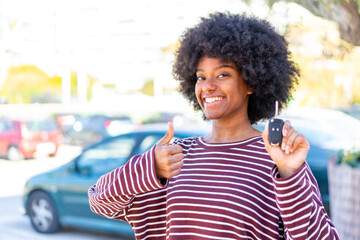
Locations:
(352, 158)
(73, 83)
(327, 63)
(28, 83)
(148, 87)
(91, 82)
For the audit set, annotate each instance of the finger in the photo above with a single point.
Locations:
(292, 135)
(286, 128)
(168, 136)
(296, 142)
(176, 168)
(300, 141)
(174, 149)
(177, 157)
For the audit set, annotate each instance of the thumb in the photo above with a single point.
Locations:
(168, 136)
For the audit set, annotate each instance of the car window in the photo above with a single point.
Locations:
(41, 126)
(4, 126)
(148, 142)
(107, 156)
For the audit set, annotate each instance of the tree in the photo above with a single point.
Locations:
(27, 83)
(346, 13)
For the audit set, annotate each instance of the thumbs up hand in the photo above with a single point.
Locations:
(168, 159)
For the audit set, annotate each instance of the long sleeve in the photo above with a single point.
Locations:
(114, 192)
(300, 205)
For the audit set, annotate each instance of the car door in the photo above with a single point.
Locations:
(5, 136)
(85, 172)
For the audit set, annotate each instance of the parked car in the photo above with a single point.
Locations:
(89, 129)
(177, 118)
(59, 198)
(327, 131)
(21, 139)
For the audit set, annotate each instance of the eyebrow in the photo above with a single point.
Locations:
(221, 66)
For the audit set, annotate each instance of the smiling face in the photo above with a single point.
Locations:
(220, 90)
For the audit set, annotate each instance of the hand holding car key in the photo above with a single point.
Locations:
(287, 147)
(275, 128)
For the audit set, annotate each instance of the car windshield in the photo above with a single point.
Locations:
(37, 126)
(334, 125)
(325, 128)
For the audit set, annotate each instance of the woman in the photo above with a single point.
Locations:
(231, 183)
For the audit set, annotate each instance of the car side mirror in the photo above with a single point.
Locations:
(72, 166)
(85, 170)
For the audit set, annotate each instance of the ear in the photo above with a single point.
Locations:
(249, 91)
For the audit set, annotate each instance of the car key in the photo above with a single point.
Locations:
(275, 128)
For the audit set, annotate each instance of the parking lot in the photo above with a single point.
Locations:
(13, 175)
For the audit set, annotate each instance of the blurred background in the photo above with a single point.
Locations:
(73, 73)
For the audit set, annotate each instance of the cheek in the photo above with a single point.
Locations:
(198, 93)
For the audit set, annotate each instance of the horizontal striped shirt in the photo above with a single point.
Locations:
(224, 191)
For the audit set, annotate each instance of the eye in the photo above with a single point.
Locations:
(223, 75)
(200, 78)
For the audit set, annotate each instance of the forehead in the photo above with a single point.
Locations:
(214, 62)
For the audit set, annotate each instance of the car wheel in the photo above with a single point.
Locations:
(13, 154)
(42, 213)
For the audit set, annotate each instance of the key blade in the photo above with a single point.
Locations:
(276, 109)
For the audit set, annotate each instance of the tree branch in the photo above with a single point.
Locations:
(345, 13)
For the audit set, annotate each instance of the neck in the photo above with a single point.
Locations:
(234, 131)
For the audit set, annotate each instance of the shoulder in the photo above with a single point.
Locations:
(185, 141)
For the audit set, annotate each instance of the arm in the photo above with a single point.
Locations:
(297, 193)
(300, 205)
(114, 191)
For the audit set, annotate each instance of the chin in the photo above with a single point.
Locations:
(211, 116)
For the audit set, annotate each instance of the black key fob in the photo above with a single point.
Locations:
(275, 128)
(275, 131)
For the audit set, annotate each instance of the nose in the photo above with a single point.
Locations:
(209, 85)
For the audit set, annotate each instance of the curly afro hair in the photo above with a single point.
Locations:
(253, 45)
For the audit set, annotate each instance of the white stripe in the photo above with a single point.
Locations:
(228, 208)
(251, 151)
(296, 219)
(296, 204)
(154, 235)
(212, 222)
(211, 214)
(149, 224)
(292, 199)
(225, 155)
(183, 174)
(303, 188)
(134, 191)
(225, 183)
(147, 171)
(145, 219)
(228, 144)
(206, 229)
(134, 209)
(283, 181)
(137, 176)
(210, 165)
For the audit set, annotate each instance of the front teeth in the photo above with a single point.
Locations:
(213, 99)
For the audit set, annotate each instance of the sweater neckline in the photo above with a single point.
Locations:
(202, 143)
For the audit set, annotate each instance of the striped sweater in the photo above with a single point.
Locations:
(224, 191)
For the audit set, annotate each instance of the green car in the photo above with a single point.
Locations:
(59, 198)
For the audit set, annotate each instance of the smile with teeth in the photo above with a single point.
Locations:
(213, 99)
